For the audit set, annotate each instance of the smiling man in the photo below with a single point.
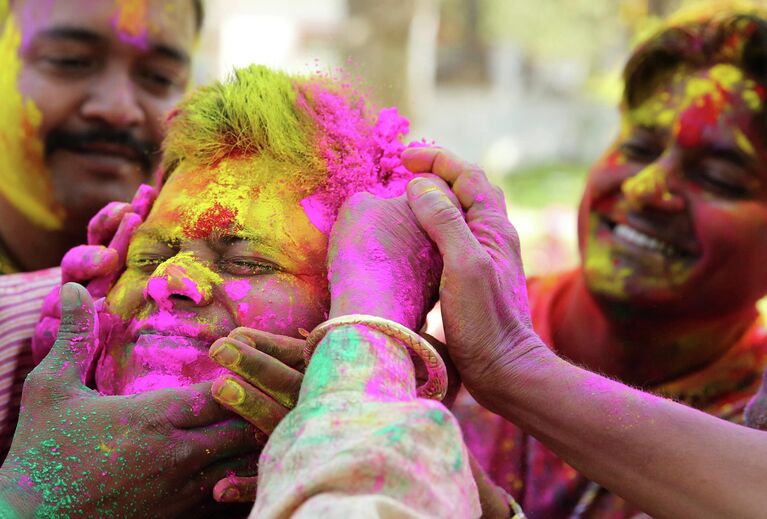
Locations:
(673, 240)
(84, 92)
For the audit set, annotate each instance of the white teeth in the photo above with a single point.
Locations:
(642, 240)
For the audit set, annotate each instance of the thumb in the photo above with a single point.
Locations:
(72, 354)
(440, 219)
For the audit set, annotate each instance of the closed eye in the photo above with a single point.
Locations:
(244, 266)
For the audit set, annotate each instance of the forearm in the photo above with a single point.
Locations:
(359, 434)
(666, 458)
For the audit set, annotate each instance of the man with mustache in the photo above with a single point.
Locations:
(85, 88)
(672, 229)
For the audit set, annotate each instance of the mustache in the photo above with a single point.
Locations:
(145, 152)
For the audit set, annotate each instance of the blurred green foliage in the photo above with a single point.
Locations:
(545, 185)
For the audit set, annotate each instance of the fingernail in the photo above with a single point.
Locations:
(419, 186)
(226, 354)
(231, 494)
(70, 297)
(231, 392)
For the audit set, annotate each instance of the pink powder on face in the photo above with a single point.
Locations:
(360, 156)
(237, 290)
(158, 289)
(159, 362)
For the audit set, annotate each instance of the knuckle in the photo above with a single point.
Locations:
(444, 213)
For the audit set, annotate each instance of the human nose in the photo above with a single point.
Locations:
(113, 99)
(650, 188)
(173, 283)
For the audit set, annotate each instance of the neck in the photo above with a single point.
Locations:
(640, 349)
(31, 247)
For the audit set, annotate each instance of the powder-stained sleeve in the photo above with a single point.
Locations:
(360, 444)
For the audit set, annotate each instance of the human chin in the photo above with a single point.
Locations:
(85, 183)
(162, 351)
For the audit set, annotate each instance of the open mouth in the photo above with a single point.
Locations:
(637, 239)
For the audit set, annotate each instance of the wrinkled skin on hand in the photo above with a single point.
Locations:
(482, 291)
(78, 453)
(381, 263)
(268, 370)
(97, 264)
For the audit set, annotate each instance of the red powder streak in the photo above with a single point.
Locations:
(217, 217)
(694, 121)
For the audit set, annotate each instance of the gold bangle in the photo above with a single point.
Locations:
(435, 386)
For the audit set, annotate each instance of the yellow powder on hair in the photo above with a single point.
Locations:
(25, 181)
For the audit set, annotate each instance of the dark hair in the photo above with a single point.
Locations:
(738, 38)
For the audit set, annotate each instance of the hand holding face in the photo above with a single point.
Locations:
(268, 373)
(380, 262)
(96, 264)
(482, 291)
(76, 452)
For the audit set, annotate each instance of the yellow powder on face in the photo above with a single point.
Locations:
(743, 143)
(131, 18)
(651, 181)
(600, 270)
(233, 195)
(24, 179)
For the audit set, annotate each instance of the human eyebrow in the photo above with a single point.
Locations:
(71, 33)
(156, 235)
(227, 238)
(171, 53)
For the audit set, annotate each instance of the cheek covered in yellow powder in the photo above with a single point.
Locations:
(24, 178)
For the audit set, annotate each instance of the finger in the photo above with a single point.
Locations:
(143, 200)
(236, 489)
(256, 407)
(87, 262)
(204, 446)
(52, 304)
(474, 190)
(267, 373)
(44, 337)
(122, 237)
(437, 161)
(104, 224)
(187, 407)
(444, 187)
(288, 350)
(205, 478)
(120, 241)
(441, 220)
(75, 346)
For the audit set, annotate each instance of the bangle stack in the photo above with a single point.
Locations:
(435, 386)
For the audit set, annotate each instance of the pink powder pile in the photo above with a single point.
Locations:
(360, 155)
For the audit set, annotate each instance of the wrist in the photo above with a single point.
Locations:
(513, 375)
(360, 359)
(370, 302)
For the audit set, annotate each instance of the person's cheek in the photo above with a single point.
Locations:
(127, 295)
(278, 304)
